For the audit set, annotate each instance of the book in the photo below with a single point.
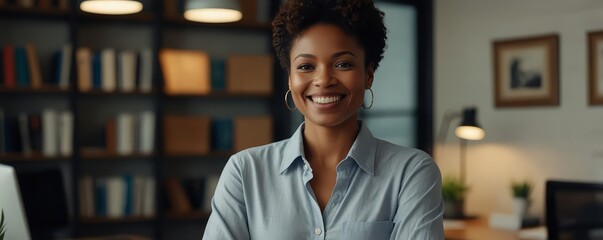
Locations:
(10, 71)
(35, 73)
(138, 195)
(97, 80)
(65, 128)
(86, 196)
(512, 221)
(195, 191)
(44, 4)
(108, 71)
(24, 133)
(11, 134)
(250, 131)
(63, 4)
(145, 76)
(249, 9)
(100, 196)
(171, 8)
(148, 204)
(129, 195)
(218, 79)
(111, 136)
(125, 133)
(249, 74)
(55, 78)
(186, 135)
(25, 3)
(65, 66)
(84, 69)
(176, 196)
(221, 134)
(50, 137)
(127, 71)
(35, 132)
(2, 132)
(116, 196)
(146, 132)
(185, 72)
(21, 67)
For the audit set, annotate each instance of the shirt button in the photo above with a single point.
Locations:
(318, 231)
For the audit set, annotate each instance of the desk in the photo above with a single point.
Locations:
(478, 229)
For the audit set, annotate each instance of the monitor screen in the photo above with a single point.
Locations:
(15, 222)
(574, 210)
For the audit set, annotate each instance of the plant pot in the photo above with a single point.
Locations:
(521, 206)
(454, 209)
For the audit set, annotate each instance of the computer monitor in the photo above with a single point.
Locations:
(10, 202)
(574, 210)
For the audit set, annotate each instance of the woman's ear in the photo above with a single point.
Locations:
(370, 76)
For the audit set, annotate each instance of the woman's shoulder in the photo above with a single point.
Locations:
(386, 148)
(263, 154)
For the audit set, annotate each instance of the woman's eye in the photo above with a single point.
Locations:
(304, 67)
(344, 65)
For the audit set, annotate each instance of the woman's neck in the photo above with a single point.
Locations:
(327, 146)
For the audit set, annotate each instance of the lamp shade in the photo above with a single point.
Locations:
(213, 11)
(469, 128)
(111, 7)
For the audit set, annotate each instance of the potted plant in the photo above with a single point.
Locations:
(521, 197)
(453, 192)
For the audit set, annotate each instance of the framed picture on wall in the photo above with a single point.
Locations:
(526, 71)
(595, 68)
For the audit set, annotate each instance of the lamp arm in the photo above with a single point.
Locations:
(445, 125)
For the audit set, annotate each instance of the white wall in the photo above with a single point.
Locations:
(539, 143)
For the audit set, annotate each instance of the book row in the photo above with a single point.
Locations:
(130, 133)
(189, 195)
(20, 67)
(199, 135)
(110, 70)
(193, 72)
(40, 4)
(185, 72)
(117, 196)
(50, 132)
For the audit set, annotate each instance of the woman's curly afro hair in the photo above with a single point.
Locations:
(359, 18)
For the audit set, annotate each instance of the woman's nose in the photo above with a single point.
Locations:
(324, 78)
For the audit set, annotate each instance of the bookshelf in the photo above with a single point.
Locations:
(49, 29)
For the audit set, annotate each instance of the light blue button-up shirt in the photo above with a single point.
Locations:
(382, 191)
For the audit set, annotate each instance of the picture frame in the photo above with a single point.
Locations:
(595, 68)
(526, 71)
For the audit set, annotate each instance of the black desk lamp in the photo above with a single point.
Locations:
(469, 129)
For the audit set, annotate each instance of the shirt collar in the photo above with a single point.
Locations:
(362, 151)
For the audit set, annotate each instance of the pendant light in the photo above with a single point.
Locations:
(111, 7)
(213, 11)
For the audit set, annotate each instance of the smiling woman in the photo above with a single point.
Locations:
(332, 179)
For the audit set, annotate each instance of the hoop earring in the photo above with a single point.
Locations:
(287, 102)
(372, 98)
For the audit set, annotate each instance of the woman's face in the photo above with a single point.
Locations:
(328, 77)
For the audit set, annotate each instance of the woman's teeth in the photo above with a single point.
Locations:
(326, 99)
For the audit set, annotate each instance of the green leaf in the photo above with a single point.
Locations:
(2, 226)
(453, 189)
(521, 189)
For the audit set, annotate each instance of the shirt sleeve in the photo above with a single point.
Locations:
(228, 219)
(421, 208)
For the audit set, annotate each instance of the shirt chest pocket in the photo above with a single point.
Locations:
(367, 230)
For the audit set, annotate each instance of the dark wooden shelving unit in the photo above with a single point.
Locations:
(153, 21)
